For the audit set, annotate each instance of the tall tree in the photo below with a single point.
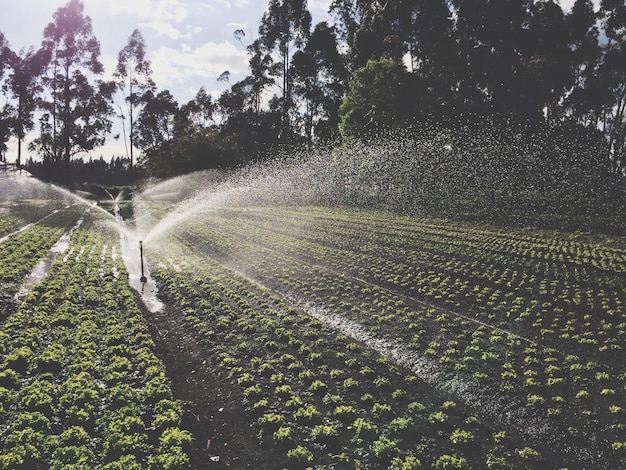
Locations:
(377, 99)
(133, 78)
(612, 77)
(548, 66)
(377, 35)
(284, 28)
(5, 111)
(77, 111)
(156, 123)
(426, 30)
(24, 86)
(319, 80)
(493, 47)
(586, 54)
(348, 18)
(199, 111)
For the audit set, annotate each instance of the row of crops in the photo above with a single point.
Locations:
(349, 339)
(519, 331)
(80, 383)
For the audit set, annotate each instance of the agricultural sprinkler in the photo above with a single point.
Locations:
(142, 279)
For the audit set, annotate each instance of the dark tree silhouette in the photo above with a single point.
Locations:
(77, 110)
(24, 87)
(5, 111)
(285, 26)
(133, 79)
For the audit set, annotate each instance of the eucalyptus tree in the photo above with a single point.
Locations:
(24, 88)
(133, 79)
(493, 50)
(320, 77)
(199, 111)
(284, 28)
(156, 125)
(349, 17)
(583, 33)
(243, 108)
(612, 77)
(548, 68)
(425, 28)
(377, 99)
(5, 111)
(77, 109)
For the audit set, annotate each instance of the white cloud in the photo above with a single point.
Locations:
(161, 16)
(163, 28)
(171, 66)
(319, 7)
(217, 4)
(568, 4)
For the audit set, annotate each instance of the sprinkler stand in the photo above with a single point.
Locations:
(142, 279)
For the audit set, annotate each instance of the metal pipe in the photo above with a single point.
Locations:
(142, 279)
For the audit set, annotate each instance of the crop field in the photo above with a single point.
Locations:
(365, 339)
(80, 383)
(295, 337)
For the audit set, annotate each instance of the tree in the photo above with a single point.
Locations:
(586, 53)
(319, 76)
(493, 48)
(156, 122)
(612, 77)
(377, 99)
(548, 68)
(24, 86)
(5, 111)
(348, 17)
(285, 25)
(133, 79)
(199, 111)
(76, 113)
(426, 27)
(377, 35)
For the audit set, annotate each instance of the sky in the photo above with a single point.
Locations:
(189, 42)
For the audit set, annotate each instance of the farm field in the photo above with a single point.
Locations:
(359, 338)
(80, 383)
(295, 337)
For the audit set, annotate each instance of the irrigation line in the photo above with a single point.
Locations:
(418, 301)
(433, 306)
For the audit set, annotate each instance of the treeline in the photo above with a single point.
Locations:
(378, 66)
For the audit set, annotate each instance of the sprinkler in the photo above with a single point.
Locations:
(142, 279)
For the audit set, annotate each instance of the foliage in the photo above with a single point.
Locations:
(76, 114)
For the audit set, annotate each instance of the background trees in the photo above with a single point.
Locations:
(380, 65)
(5, 121)
(284, 27)
(76, 108)
(133, 79)
(23, 87)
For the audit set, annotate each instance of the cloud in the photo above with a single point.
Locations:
(319, 6)
(164, 28)
(568, 4)
(160, 16)
(174, 66)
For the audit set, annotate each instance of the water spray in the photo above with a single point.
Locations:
(142, 279)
